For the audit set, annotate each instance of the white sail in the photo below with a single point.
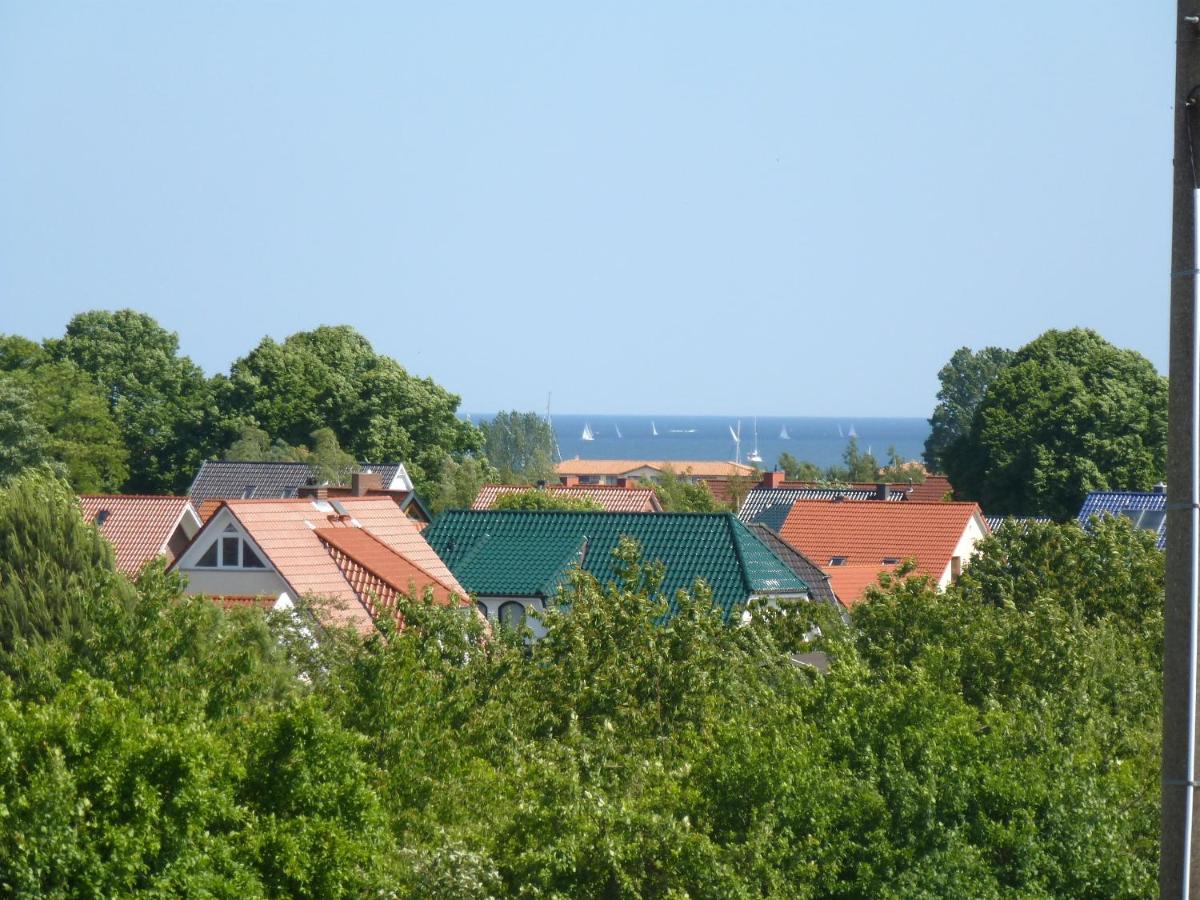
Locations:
(618, 427)
(653, 430)
(852, 433)
(733, 434)
(587, 433)
(840, 430)
(783, 434)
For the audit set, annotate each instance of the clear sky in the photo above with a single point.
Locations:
(794, 208)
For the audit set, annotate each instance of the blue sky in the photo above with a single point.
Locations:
(795, 208)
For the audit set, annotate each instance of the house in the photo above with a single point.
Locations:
(620, 498)
(358, 552)
(1145, 509)
(515, 561)
(141, 527)
(607, 471)
(819, 587)
(939, 537)
(230, 480)
(770, 499)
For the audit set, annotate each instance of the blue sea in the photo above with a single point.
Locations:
(818, 440)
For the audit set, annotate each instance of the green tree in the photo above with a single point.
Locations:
(24, 441)
(331, 377)
(520, 445)
(255, 445)
(678, 493)
(899, 469)
(856, 465)
(51, 561)
(542, 499)
(798, 470)
(964, 382)
(82, 436)
(1069, 414)
(161, 401)
(459, 483)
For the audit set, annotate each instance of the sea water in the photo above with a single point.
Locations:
(817, 440)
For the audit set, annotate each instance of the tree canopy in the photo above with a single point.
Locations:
(1069, 414)
(331, 377)
(964, 381)
(536, 498)
(521, 446)
(998, 739)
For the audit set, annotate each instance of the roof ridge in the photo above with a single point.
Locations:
(135, 496)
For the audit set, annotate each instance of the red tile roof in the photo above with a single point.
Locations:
(377, 572)
(285, 530)
(850, 583)
(868, 533)
(933, 489)
(207, 508)
(139, 526)
(610, 498)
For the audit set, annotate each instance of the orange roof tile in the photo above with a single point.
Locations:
(139, 526)
(850, 583)
(614, 467)
(358, 549)
(869, 533)
(207, 508)
(610, 498)
(285, 530)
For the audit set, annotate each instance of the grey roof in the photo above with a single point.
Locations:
(810, 573)
(994, 522)
(225, 480)
(1146, 509)
(770, 506)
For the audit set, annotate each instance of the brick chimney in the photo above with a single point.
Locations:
(569, 480)
(883, 491)
(773, 480)
(313, 491)
(361, 482)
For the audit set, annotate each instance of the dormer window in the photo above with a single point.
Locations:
(891, 560)
(248, 491)
(102, 517)
(230, 551)
(837, 561)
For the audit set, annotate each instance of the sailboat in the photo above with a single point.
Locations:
(840, 430)
(753, 456)
(653, 430)
(587, 433)
(737, 441)
(618, 427)
(783, 435)
(852, 433)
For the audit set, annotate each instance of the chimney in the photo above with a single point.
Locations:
(773, 480)
(883, 491)
(1160, 488)
(569, 480)
(362, 482)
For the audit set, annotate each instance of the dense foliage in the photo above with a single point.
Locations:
(964, 380)
(998, 740)
(541, 499)
(1070, 413)
(678, 493)
(114, 406)
(856, 466)
(521, 446)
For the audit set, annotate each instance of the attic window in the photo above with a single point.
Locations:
(230, 551)
(1148, 519)
(891, 560)
(248, 491)
(837, 561)
(102, 517)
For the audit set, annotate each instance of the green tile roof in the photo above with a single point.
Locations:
(516, 553)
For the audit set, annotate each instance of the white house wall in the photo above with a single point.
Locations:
(234, 582)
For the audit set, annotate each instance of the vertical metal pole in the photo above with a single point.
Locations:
(1178, 857)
